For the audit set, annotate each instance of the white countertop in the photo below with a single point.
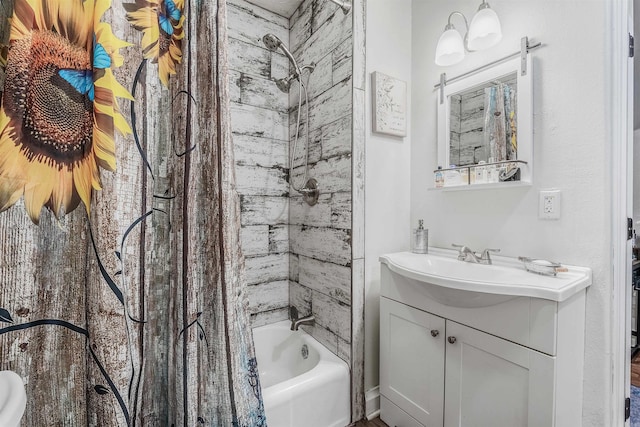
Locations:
(506, 276)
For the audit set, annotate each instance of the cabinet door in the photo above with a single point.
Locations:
(412, 361)
(494, 382)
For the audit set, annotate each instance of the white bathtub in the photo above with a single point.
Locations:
(299, 392)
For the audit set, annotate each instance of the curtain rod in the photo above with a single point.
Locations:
(525, 48)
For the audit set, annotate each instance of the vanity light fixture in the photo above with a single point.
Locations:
(484, 32)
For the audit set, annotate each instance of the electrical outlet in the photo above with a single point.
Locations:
(549, 206)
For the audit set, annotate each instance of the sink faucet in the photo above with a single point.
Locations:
(467, 255)
(295, 322)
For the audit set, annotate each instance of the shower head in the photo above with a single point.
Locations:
(273, 43)
(344, 5)
(285, 83)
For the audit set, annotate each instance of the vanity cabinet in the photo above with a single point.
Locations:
(440, 372)
(475, 361)
(412, 362)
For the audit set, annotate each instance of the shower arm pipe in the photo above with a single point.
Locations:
(344, 5)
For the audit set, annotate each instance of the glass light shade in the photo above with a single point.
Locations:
(450, 48)
(485, 30)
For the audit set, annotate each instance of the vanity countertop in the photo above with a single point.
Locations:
(506, 276)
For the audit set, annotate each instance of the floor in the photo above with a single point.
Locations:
(376, 422)
(635, 370)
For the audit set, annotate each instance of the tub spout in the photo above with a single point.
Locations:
(309, 320)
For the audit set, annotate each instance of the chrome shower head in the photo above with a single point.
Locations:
(285, 83)
(272, 42)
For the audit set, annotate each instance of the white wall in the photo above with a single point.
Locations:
(387, 185)
(636, 178)
(571, 153)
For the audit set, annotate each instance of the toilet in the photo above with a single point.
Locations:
(13, 399)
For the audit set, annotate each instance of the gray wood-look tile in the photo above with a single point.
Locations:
(336, 137)
(269, 317)
(264, 210)
(331, 105)
(248, 58)
(294, 262)
(256, 180)
(300, 298)
(248, 23)
(341, 61)
(325, 244)
(262, 122)
(326, 38)
(254, 240)
(318, 215)
(257, 151)
(261, 92)
(325, 337)
(300, 25)
(278, 238)
(332, 315)
(330, 279)
(341, 208)
(267, 268)
(268, 296)
(333, 174)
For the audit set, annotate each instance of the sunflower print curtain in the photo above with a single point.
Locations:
(121, 282)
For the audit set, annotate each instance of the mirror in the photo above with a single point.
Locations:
(485, 117)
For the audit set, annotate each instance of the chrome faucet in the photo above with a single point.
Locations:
(295, 322)
(467, 255)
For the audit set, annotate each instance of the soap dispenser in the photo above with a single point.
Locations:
(420, 240)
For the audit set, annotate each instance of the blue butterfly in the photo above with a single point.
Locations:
(165, 24)
(81, 80)
(172, 12)
(101, 58)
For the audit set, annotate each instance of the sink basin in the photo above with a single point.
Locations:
(13, 399)
(463, 284)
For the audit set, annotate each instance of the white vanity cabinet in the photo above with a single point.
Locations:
(456, 359)
(412, 363)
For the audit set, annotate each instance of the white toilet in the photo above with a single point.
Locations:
(13, 399)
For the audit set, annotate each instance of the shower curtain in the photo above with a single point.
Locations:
(500, 133)
(121, 279)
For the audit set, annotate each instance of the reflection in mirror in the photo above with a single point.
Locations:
(483, 123)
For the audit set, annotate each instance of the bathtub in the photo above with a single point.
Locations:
(299, 391)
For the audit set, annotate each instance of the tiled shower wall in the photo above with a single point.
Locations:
(320, 236)
(295, 254)
(309, 257)
(260, 125)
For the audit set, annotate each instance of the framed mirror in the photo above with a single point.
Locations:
(485, 118)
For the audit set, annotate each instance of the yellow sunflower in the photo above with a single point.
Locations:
(59, 107)
(161, 22)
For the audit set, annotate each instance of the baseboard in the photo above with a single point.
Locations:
(372, 402)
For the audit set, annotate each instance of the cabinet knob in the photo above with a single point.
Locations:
(435, 333)
(452, 340)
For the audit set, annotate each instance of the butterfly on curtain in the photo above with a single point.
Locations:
(172, 12)
(82, 80)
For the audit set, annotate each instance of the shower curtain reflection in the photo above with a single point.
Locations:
(121, 282)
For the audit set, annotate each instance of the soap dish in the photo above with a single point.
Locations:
(542, 266)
